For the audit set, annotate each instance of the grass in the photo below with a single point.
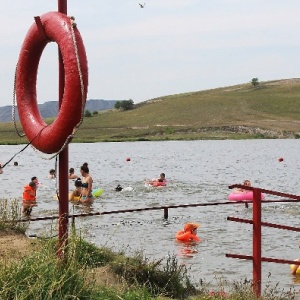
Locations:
(41, 276)
(170, 280)
(10, 214)
(271, 110)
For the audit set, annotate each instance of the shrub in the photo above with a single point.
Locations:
(10, 215)
(170, 280)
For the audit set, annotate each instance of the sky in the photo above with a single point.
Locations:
(168, 47)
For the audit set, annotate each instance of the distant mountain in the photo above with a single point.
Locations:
(50, 109)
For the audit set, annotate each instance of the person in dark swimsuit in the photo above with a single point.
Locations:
(86, 186)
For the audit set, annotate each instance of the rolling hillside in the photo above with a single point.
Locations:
(271, 110)
(49, 109)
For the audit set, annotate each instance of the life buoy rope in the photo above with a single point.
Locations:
(61, 29)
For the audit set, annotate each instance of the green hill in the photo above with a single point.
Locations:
(270, 110)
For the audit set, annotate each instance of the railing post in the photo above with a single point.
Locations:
(166, 213)
(257, 242)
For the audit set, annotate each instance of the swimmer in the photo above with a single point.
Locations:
(72, 174)
(246, 183)
(118, 188)
(52, 174)
(161, 181)
(189, 233)
(77, 191)
(239, 190)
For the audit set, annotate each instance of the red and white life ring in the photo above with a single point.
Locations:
(57, 27)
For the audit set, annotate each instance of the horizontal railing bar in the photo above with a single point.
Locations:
(132, 210)
(152, 208)
(240, 256)
(265, 259)
(234, 219)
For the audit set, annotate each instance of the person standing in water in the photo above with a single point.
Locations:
(246, 183)
(29, 198)
(86, 186)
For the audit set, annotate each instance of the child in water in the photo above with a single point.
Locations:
(29, 198)
(77, 192)
(189, 233)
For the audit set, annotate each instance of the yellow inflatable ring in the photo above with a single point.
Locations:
(298, 270)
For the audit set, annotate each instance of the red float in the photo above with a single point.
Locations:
(280, 159)
(55, 27)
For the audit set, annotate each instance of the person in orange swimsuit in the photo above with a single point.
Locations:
(189, 233)
(29, 198)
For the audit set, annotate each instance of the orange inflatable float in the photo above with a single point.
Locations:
(189, 233)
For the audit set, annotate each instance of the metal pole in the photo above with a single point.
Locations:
(257, 242)
(166, 213)
(63, 161)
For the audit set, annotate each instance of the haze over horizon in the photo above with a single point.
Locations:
(167, 47)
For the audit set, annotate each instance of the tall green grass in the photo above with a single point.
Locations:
(169, 279)
(42, 276)
(10, 215)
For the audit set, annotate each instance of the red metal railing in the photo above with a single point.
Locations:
(257, 224)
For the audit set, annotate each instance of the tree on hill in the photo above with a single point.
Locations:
(87, 114)
(254, 82)
(125, 104)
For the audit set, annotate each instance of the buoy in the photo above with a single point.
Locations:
(59, 28)
(280, 159)
(128, 159)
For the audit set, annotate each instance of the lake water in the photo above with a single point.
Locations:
(197, 172)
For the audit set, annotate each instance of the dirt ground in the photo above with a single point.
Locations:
(15, 245)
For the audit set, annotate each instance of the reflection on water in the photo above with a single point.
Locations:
(187, 250)
(197, 172)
